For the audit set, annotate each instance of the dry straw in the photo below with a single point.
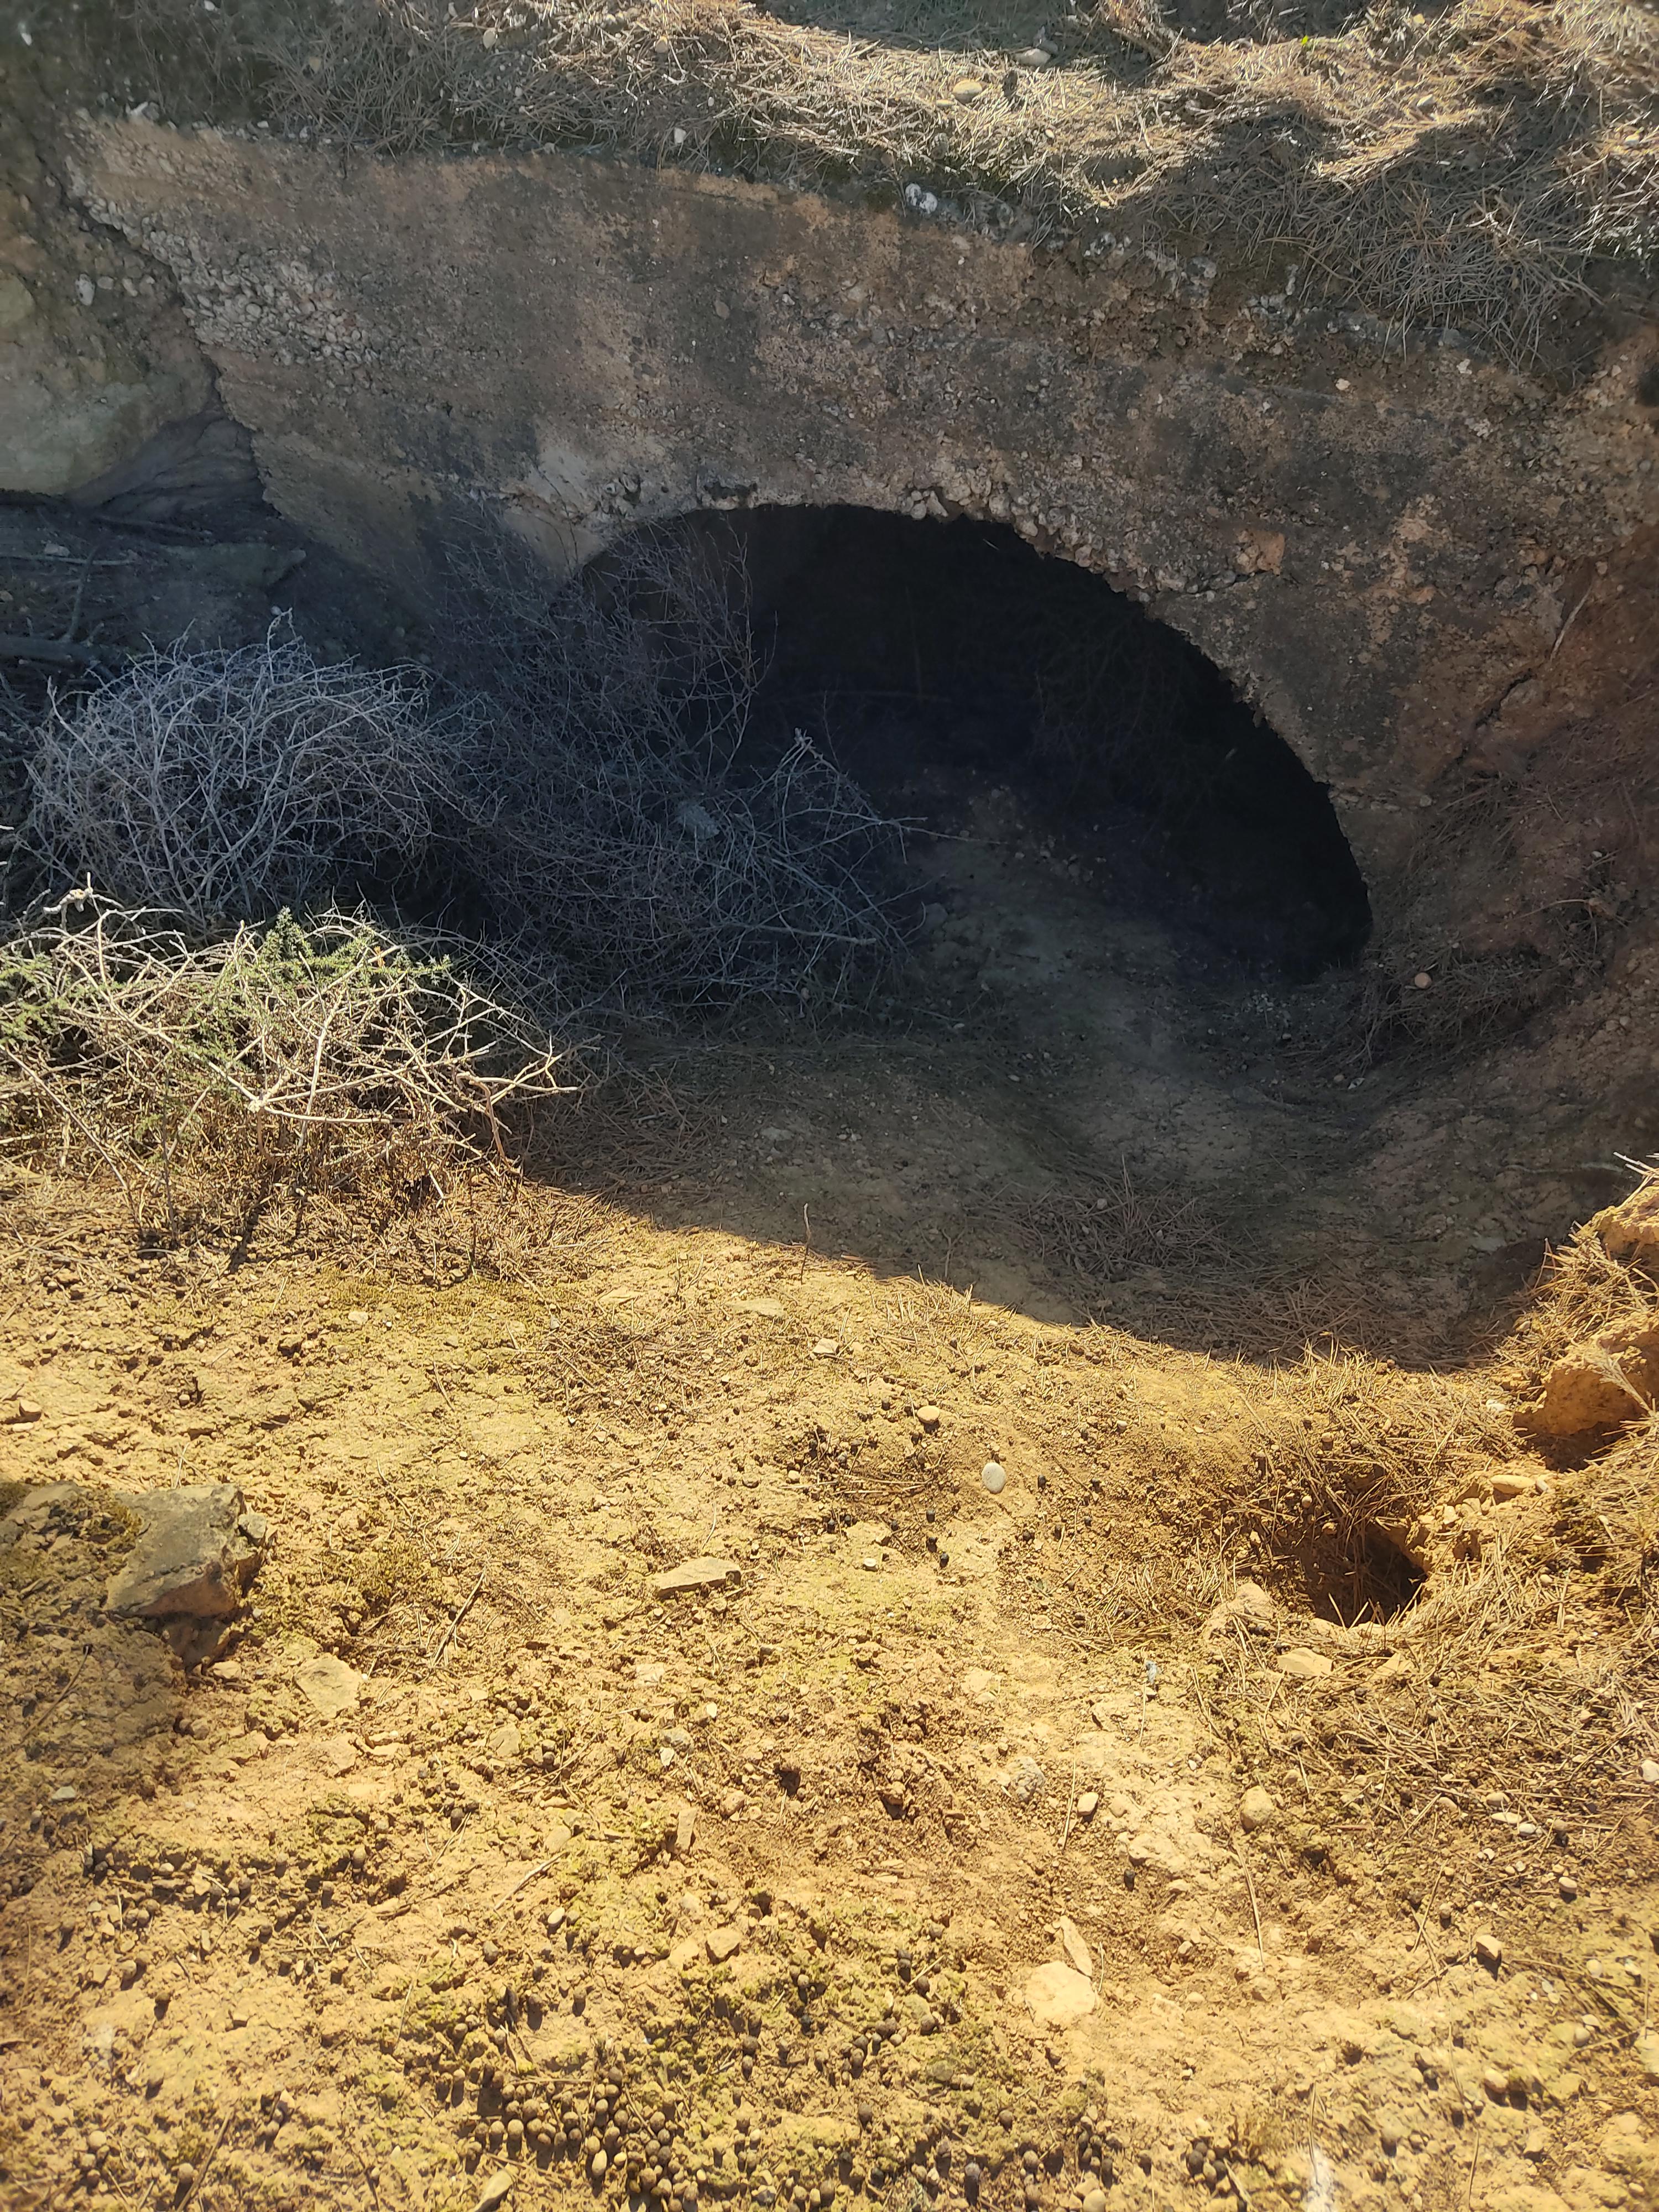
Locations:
(1101, 1233)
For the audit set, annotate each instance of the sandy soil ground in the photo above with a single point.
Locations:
(912, 1858)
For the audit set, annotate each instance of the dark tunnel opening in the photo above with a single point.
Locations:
(927, 657)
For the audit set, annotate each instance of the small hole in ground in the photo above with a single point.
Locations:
(1361, 1576)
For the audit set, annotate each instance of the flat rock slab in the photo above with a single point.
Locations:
(1059, 1996)
(697, 1575)
(198, 1550)
(1303, 1665)
(328, 1684)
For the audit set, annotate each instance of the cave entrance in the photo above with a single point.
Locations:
(936, 658)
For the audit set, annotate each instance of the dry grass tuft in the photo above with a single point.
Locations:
(1608, 1517)
(1584, 1289)
(1469, 1000)
(297, 1061)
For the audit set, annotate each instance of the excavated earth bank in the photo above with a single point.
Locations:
(1113, 1828)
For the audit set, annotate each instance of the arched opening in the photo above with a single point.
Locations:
(948, 665)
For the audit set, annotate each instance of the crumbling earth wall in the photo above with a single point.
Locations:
(1386, 546)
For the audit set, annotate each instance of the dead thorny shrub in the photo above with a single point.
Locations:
(226, 785)
(598, 818)
(207, 1077)
(620, 818)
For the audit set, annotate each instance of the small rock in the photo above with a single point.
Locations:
(1034, 57)
(1505, 1488)
(825, 1348)
(721, 1943)
(1489, 1951)
(929, 1416)
(23, 1409)
(1088, 1805)
(1650, 1770)
(62, 1795)
(328, 1685)
(193, 1556)
(1303, 1665)
(869, 1563)
(1256, 1809)
(1095, 2200)
(1567, 1888)
(696, 1575)
(1392, 2129)
(995, 1478)
(1059, 1996)
(1646, 2050)
(1250, 1607)
(1028, 1781)
(966, 89)
(496, 2190)
(1496, 2083)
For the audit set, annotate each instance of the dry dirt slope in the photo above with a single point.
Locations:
(917, 1864)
